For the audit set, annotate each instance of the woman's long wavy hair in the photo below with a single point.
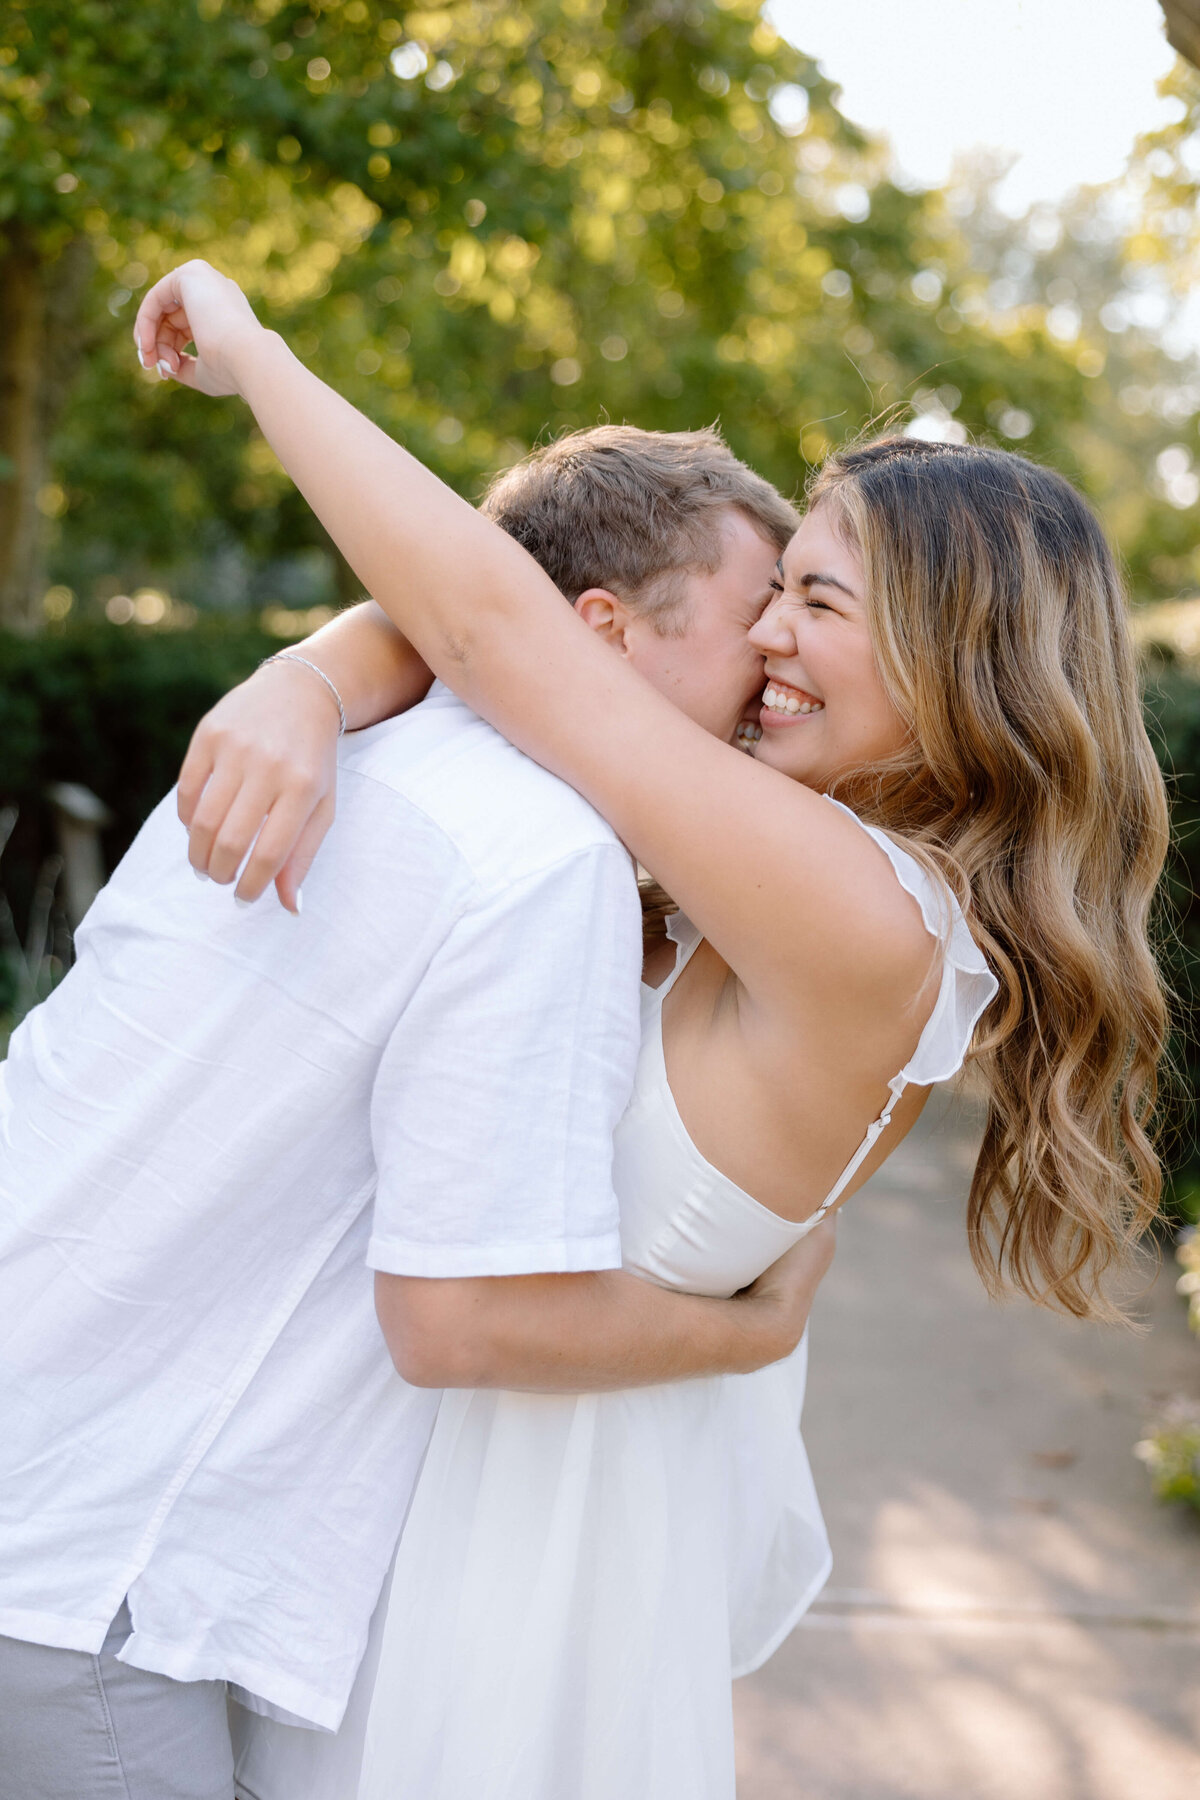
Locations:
(1000, 628)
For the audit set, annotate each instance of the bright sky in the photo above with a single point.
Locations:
(1066, 85)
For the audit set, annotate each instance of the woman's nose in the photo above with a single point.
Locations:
(772, 633)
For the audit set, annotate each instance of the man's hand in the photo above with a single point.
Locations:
(783, 1295)
(195, 304)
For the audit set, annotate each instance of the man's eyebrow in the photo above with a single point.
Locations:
(819, 580)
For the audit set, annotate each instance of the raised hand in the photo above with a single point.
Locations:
(196, 304)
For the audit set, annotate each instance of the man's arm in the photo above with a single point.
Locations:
(495, 1236)
(587, 1332)
(495, 1233)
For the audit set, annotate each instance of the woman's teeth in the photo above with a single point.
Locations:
(779, 700)
(747, 734)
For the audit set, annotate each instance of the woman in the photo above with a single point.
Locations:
(946, 651)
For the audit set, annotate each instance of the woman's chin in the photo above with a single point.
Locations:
(780, 749)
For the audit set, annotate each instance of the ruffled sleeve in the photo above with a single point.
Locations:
(968, 986)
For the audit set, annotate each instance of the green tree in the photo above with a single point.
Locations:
(1159, 401)
(1088, 374)
(280, 136)
(486, 221)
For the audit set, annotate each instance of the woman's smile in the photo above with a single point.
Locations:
(783, 704)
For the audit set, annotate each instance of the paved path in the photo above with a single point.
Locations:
(1011, 1616)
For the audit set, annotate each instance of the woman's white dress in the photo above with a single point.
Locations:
(579, 1577)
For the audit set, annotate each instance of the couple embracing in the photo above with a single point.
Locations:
(521, 1556)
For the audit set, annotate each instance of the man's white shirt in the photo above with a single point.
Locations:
(219, 1123)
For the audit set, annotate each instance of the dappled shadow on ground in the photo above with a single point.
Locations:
(904, 1709)
(1010, 1613)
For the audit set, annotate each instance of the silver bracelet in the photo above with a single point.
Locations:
(291, 656)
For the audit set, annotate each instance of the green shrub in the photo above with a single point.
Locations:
(1171, 1447)
(1171, 1452)
(1173, 716)
(112, 707)
(1188, 1258)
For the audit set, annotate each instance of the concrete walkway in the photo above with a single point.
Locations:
(1011, 1616)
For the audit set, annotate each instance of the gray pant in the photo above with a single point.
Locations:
(80, 1727)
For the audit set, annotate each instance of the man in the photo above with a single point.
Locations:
(221, 1114)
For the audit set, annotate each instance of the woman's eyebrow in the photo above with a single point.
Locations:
(819, 580)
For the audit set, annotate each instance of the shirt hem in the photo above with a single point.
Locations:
(53, 1630)
(179, 1663)
(267, 1709)
(395, 1256)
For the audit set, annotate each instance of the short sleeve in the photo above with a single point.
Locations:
(968, 986)
(496, 1099)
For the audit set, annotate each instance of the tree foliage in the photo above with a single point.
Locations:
(486, 222)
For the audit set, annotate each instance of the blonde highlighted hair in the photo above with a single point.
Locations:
(1000, 630)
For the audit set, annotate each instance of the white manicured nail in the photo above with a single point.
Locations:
(299, 902)
(200, 874)
(164, 369)
(238, 901)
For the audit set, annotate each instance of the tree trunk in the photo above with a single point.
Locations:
(1183, 27)
(42, 303)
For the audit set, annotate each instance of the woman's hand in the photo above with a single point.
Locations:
(195, 304)
(261, 771)
(268, 751)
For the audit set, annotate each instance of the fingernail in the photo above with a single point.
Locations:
(299, 903)
(238, 901)
(164, 369)
(200, 874)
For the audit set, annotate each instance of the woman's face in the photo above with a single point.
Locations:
(824, 711)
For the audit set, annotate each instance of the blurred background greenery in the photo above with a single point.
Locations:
(488, 222)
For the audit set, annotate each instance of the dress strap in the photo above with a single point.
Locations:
(896, 1085)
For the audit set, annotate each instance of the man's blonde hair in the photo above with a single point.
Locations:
(633, 512)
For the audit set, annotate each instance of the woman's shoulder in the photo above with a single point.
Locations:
(941, 913)
(966, 984)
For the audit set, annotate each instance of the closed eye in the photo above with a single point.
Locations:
(776, 587)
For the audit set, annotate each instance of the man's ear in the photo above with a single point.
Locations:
(605, 614)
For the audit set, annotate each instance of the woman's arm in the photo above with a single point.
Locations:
(375, 669)
(792, 894)
(264, 759)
